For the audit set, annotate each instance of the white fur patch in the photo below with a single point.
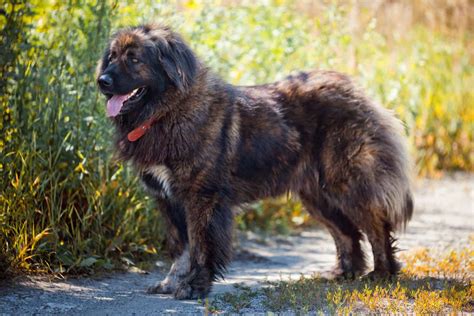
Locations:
(162, 174)
(179, 269)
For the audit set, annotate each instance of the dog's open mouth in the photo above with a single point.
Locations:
(116, 101)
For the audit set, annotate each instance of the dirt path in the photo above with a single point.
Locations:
(443, 220)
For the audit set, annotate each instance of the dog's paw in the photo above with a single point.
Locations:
(338, 274)
(160, 288)
(378, 275)
(184, 292)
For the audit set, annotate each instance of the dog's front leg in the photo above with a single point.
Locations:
(177, 242)
(210, 247)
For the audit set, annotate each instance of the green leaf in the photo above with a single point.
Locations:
(85, 263)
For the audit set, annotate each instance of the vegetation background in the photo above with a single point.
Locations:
(67, 207)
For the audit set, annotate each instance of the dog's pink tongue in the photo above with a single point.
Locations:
(114, 104)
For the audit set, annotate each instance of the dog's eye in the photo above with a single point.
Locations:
(134, 60)
(111, 57)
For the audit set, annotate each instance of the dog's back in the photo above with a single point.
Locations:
(316, 129)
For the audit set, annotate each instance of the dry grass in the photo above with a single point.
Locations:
(428, 284)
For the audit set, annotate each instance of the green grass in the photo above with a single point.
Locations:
(67, 207)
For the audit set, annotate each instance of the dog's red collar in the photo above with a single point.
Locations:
(141, 130)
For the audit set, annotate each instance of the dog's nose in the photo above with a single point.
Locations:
(105, 81)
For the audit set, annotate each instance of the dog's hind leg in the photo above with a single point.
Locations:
(177, 244)
(383, 249)
(347, 237)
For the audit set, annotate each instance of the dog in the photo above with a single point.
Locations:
(202, 147)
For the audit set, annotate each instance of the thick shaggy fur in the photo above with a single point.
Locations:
(216, 146)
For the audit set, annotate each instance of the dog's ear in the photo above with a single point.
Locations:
(179, 62)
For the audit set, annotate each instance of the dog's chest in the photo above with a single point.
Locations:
(158, 179)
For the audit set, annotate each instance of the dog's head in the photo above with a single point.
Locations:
(141, 64)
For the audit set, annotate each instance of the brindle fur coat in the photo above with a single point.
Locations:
(215, 146)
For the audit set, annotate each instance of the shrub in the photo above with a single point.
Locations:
(66, 206)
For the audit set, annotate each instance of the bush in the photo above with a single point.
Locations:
(66, 206)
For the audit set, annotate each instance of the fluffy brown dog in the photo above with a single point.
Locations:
(203, 147)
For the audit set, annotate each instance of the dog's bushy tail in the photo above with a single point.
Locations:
(395, 191)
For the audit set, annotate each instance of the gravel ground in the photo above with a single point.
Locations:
(443, 220)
